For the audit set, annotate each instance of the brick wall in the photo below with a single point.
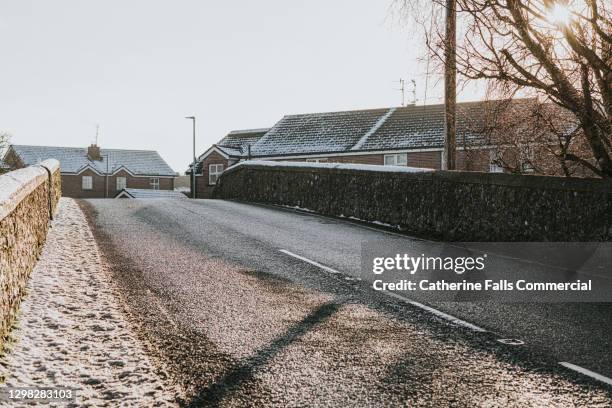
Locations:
(473, 160)
(448, 205)
(430, 160)
(72, 184)
(203, 189)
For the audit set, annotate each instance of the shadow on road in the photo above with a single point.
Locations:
(227, 384)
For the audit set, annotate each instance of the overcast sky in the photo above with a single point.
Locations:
(137, 67)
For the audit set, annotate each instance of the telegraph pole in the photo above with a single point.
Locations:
(450, 87)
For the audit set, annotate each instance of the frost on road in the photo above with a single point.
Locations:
(71, 333)
(240, 324)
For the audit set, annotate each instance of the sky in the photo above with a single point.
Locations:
(136, 68)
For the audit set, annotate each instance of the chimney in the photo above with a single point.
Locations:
(93, 152)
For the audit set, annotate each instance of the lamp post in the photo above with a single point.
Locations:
(193, 167)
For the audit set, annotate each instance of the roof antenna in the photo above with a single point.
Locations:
(402, 89)
(97, 133)
(414, 98)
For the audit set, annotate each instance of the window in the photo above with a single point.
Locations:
(396, 159)
(87, 183)
(154, 182)
(527, 156)
(495, 165)
(214, 171)
(121, 183)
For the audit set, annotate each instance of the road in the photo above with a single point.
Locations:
(242, 304)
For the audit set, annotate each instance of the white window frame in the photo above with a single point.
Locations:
(87, 183)
(526, 157)
(398, 159)
(154, 183)
(494, 167)
(214, 171)
(120, 183)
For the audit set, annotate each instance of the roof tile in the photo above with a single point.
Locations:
(73, 159)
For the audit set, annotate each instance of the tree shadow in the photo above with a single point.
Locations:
(243, 371)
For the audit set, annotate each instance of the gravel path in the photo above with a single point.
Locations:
(71, 332)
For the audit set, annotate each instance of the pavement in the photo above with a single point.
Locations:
(242, 305)
(71, 332)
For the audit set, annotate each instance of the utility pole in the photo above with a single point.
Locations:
(450, 87)
(193, 166)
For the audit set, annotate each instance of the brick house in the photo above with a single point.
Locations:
(401, 136)
(98, 173)
(227, 152)
(4, 167)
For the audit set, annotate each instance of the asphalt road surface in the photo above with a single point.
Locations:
(248, 305)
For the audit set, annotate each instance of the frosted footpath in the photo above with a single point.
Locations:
(71, 332)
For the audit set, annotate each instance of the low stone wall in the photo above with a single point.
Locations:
(452, 206)
(28, 199)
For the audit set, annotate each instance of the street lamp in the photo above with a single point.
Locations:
(193, 167)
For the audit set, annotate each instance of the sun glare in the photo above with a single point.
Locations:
(560, 14)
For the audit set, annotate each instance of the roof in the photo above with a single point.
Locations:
(75, 159)
(317, 132)
(148, 193)
(410, 127)
(236, 142)
(418, 127)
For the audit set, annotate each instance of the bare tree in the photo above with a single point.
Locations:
(529, 136)
(4, 142)
(557, 50)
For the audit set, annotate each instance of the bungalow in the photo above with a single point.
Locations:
(225, 153)
(96, 172)
(400, 136)
(4, 167)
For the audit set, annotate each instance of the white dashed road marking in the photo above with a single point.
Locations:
(586, 372)
(442, 315)
(325, 268)
(455, 320)
(436, 312)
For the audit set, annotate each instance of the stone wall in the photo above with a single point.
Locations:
(28, 198)
(453, 206)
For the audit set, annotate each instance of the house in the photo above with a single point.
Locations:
(225, 153)
(400, 136)
(4, 167)
(137, 193)
(97, 173)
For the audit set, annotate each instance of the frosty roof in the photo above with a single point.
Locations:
(411, 127)
(236, 142)
(75, 159)
(317, 132)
